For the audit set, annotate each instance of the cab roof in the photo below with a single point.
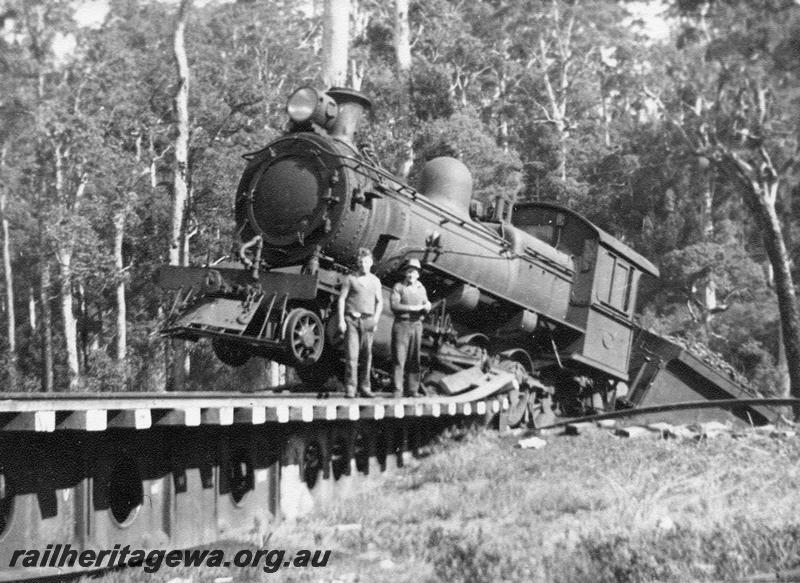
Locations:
(606, 239)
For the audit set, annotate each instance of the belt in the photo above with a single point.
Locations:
(407, 318)
(359, 315)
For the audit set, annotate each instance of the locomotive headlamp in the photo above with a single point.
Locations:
(309, 105)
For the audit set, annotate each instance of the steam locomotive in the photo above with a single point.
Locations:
(532, 287)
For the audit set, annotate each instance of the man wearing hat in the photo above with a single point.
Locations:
(409, 303)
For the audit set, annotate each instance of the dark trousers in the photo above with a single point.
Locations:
(406, 345)
(358, 342)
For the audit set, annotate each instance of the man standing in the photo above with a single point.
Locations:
(409, 302)
(359, 308)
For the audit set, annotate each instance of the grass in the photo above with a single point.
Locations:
(586, 508)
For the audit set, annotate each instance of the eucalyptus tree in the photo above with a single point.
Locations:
(50, 78)
(731, 95)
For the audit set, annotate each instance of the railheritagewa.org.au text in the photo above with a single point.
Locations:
(151, 561)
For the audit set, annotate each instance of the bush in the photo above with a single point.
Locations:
(727, 552)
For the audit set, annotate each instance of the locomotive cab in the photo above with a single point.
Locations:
(604, 286)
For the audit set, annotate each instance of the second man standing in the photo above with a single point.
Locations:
(409, 303)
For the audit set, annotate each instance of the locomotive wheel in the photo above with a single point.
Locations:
(304, 337)
(518, 400)
(542, 413)
(229, 353)
(515, 367)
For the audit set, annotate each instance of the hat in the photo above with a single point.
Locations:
(412, 263)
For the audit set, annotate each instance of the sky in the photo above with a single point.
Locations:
(92, 13)
(652, 13)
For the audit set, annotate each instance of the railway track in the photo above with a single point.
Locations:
(739, 409)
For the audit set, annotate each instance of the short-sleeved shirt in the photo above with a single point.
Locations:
(411, 295)
(364, 292)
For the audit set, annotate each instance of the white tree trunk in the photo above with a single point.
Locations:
(122, 332)
(47, 324)
(64, 250)
(402, 37)
(558, 63)
(785, 290)
(32, 309)
(407, 162)
(68, 317)
(606, 114)
(181, 170)
(335, 42)
(9, 280)
(710, 302)
(83, 320)
(402, 51)
(707, 208)
(785, 383)
(178, 254)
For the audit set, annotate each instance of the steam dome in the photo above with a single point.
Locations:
(447, 182)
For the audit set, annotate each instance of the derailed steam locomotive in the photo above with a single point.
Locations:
(533, 287)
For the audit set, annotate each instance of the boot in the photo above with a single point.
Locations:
(413, 386)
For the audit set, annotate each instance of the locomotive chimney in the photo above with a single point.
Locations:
(352, 106)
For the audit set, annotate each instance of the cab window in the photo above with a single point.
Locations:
(615, 282)
(543, 224)
(555, 227)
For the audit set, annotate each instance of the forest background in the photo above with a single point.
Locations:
(684, 146)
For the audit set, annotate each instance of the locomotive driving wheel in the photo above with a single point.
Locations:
(518, 405)
(304, 336)
(541, 411)
(519, 399)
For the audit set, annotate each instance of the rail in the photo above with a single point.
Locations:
(689, 405)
